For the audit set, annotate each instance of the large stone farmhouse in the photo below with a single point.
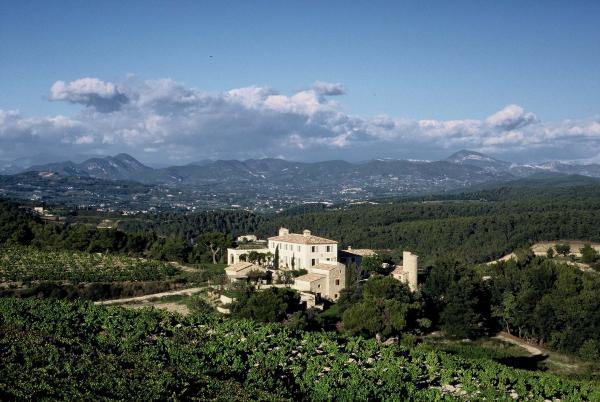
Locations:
(326, 275)
(301, 251)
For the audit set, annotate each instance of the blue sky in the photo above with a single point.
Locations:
(410, 62)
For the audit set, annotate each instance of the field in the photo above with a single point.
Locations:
(54, 349)
(27, 264)
(514, 352)
(541, 248)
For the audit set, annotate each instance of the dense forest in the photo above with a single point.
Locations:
(473, 227)
(470, 227)
(18, 226)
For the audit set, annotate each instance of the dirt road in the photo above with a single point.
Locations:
(533, 350)
(182, 292)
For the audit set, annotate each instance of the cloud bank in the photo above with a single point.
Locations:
(166, 121)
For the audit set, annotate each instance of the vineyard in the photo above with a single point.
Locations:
(53, 349)
(26, 264)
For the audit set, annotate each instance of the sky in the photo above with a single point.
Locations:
(172, 82)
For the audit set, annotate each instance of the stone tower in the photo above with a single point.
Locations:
(410, 265)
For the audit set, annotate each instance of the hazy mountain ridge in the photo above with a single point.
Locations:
(118, 167)
(462, 165)
(266, 184)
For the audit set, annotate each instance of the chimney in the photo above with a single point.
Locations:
(306, 233)
(283, 231)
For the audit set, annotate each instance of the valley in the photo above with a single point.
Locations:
(121, 183)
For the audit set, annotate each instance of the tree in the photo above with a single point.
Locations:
(550, 252)
(214, 243)
(385, 287)
(276, 258)
(349, 296)
(269, 305)
(467, 311)
(175, 249)
(285, 276)
(563, 249)
(372, 317)
(256, 258)
(269, 258)
(381, 305)
(507, 310)
(308, 320)
(459, 318)
(588, 254)
(372, 264)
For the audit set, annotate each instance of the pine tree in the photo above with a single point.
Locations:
(276, 259)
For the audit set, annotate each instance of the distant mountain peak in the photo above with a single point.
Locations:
(466, 154)
(118, 167)
(474, 158)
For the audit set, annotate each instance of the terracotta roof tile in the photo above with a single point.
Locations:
(301, 239)
(328, 267)
(363, 252)
(310, 277)
(240, 266)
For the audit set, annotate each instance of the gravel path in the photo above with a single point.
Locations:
(184, 292)
(533, 350)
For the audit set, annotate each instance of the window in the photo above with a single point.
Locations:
(312, 262)
(328, 249)
(298, 248)
(314, 249)
(337, 282)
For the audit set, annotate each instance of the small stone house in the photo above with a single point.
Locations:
(240, 270)
(325, 279)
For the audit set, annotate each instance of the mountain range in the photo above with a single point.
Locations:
(269, 184)
(462, 166)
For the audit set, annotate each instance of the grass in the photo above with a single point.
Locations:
(515, 356)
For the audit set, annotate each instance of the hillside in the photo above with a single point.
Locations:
(58, 350)
(267, 185)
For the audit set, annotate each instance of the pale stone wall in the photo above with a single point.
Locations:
(233, 254)
(335, 279)
(410, 264)
(304, 255)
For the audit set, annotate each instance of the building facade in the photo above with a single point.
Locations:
(240, 270)
(325, 280)
(354, 256)
(408, 271)
(301, 251)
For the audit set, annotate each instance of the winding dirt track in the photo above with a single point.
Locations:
(533, 350)
(182, 292)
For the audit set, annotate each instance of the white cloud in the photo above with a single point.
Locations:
(164, 119)
(511, 117)
(103, 96)
(329, 89)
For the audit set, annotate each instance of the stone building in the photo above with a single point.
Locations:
(240, 270)
(325, 280)
(354, 256)
(301, 251)
(408, 271)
